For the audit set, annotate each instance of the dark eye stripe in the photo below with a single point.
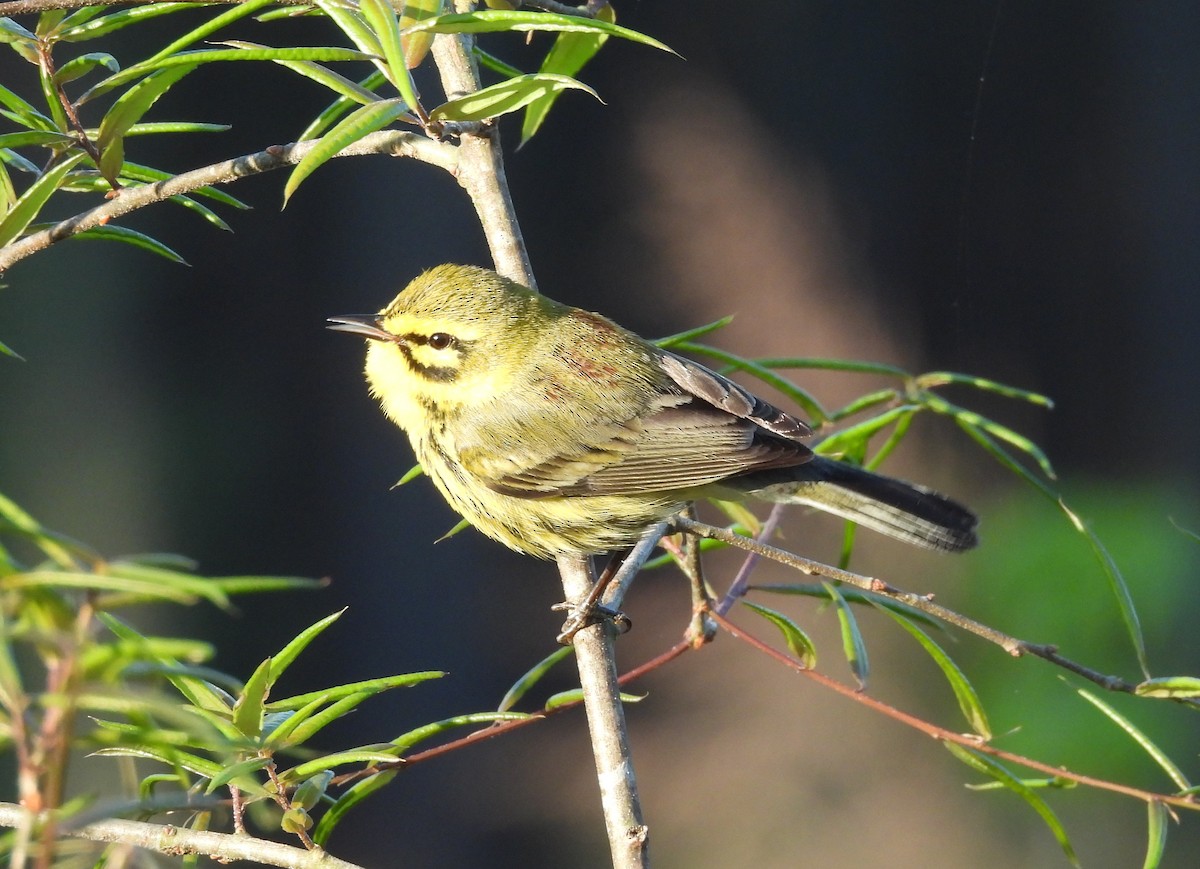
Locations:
(440, 373)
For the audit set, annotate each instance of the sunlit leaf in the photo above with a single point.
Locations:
(281, 661)
(29, 204)
(1174, 687)
(82, 65)
(127, 111)
(523, 22)
(521, 687)
(505, 97)
(348, 800)
(353, 127)
(569, 54)
(368, 687)
(427, 731)
(249, 710)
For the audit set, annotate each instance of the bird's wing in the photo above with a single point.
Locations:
(700, 428)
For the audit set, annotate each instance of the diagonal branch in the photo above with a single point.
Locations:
(166, 839)
(389, 142)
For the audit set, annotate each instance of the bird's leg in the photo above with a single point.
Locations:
(589, 610)
(606, 594)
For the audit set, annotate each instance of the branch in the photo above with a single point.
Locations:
(974, 743)
(1014, 646)
(166, 839)
(390, 142)
(481, 164)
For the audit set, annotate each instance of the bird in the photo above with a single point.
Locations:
(556, 432)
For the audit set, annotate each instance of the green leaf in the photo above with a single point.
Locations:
(1147, 744)
(314, 724)
(27, 207)
(700, 331)
(382, 19)
(1117, 584)
(249, 710)
(1172, 687)
(278, 726)
(35, 137)
(505, 97)
(96, 582)
(332, 113)
(369, 687)
(132, 237)
(569, 54)
(91, 28)
(798, 641)
(1112, 572)
(984, 764)
(199, 693)
(851, 595)
(348, 800)
(939, 378)
(407, 740)
(240, 771)
(82, 65)
(384, 752)
(852, 640)
(24, 113)
(416, 45)
(158, 127)
(864, 402)
(356, 125)
(969, 417)
(292, 650)
(854, 437)
(575, 695)
(853, 366)
(1156, 834)
(524, 22)
(519, 689)
(322, 75)
(409, 475)
(964, 692)
(127, 111)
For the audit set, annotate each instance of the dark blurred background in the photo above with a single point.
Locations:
(1008, 189)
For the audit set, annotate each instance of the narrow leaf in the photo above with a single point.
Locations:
(699, 332)
(82, 65)
(281, 661)
(505, 97)
(854, 438)
(240, 770)
(382, 753)
(1173, 687)
(357, 124)
(524, 22)
(964, 692)
(521, 687)
(1156, 834)
(1147, 744)
(427, 731)
(127, 111)
(27, 207)
(852, 640)
(938, 378)
(761, 370)
(569, 54)
(370, 687)
(798, 642)
(986, 765)
(382, 18)
(131, 237)
(249, 709)
(348, 800)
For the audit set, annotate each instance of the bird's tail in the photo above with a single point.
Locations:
(894, 507)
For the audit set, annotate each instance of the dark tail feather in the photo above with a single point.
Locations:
(902, 510)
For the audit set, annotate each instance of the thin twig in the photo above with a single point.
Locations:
(1014, 646)
(942, 734)
(394, 143)
(167, 839)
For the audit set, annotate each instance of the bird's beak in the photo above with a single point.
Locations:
(368, 327)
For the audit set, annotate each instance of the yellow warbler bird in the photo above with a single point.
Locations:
(556, 432)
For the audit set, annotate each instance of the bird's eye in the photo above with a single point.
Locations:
(440, 340)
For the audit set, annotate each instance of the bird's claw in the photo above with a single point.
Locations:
(584, 616)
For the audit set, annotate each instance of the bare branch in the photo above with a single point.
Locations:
(166, 839)
(390, 142)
